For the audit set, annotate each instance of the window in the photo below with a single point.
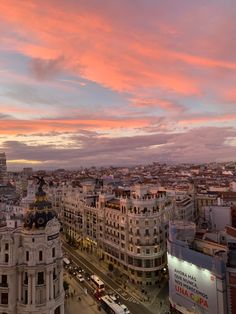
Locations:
(54, 274)
(147, 263)
(6, 258)
(53, 252)
(27, 256)
(26, 279)
(4, 298)
(6, 246)
(41, 278)
(40, 255)
(147, 251)
(138, 250)
(4, 280)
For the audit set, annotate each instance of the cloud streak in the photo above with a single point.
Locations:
(94, 150)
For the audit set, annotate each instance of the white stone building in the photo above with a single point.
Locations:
(129, 232)
(31, 270)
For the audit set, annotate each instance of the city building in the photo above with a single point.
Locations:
(31, 272)
(3, 169)
(184, 208)
(128, 231)
(198, 270)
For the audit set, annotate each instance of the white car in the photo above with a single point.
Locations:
(113, 297)
(80, 277)
(124, 307)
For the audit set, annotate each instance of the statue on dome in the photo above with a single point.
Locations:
(41, 182)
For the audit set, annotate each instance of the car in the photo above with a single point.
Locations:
(80, 278)
(87, 276)
(113, 298)
(124, 307)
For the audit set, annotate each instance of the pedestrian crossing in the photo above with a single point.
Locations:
(126, 296)
(133, 300)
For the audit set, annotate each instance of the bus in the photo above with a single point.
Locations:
(97, 284)
(110, 306)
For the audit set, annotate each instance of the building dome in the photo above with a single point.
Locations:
(40, 212)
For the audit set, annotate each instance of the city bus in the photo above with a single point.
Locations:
(97, 283)
(110, 306)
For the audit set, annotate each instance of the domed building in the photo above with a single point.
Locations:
(31, 272)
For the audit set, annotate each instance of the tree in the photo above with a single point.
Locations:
(66, 285)
(110, 267)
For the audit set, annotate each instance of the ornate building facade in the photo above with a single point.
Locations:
(31, 272)
(128, 231)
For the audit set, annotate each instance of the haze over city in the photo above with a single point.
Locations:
(117, 82)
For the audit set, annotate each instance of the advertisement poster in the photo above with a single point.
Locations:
(192, 287)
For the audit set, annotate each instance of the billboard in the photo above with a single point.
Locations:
(192, 287)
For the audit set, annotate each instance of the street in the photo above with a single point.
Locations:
(78, 301)
(131, 300)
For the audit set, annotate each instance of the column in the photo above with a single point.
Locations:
(20, 286)
(47, 286)
(29, 288)
(51, 285)
(33, 288)
(62, 309)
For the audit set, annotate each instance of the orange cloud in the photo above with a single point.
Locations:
(14, 127)
(157, 103)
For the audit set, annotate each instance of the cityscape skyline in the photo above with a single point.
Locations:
(86, 84)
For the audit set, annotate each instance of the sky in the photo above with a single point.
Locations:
(96, 83)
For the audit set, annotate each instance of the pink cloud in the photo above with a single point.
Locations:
(206, 119)
(106, 50)
(165, 104)
(14, 127)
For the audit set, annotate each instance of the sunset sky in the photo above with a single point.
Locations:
(101, 82)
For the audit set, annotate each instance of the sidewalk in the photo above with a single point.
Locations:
(86, 305)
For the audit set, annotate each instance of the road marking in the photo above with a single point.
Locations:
(134, 300)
